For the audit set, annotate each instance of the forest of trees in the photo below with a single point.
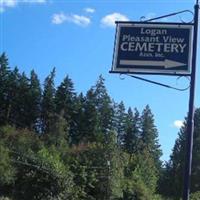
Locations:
(56, 144)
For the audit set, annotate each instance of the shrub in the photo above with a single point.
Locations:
(195, 196)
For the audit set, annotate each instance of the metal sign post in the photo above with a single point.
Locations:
(190, 122)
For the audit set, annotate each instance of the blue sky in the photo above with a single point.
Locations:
(77, 38)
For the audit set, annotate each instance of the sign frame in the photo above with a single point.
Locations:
(142, 70)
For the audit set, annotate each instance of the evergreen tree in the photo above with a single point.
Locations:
(21, 102)
(149, 136)
(166, 181)
(120, 122)
(114, 158)
(12, 109)
(65, 99)
(34, 102)
(132, 132)
(104, 106)
(4, 76)
(48, 103)
(91, 129)
(140, 177)
(196, 156)
(77, 133)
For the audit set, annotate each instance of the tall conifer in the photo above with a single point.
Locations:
(132, 131)
(21, 102)
(104, 106)
(120, 122)
(4, 76)
(149, 136)
(48, 103)
(12, 109)
(91, 129)
(34, 103)
(65, 99)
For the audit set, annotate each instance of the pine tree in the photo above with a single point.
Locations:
(132, 132)
(120, 122)
(173, 172)
(109, 162)
(149, 136)
(104, 106)
(21, 106)
(91, 129)
(140, 177)
(177, 163)
(77, 133)
(12, 95)
(65, 99)
(4, 76)
(196, 155)
(48, 103)
(34, 103)
(59, 134)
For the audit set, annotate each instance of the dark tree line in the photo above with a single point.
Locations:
(90, 118)
(57, 144)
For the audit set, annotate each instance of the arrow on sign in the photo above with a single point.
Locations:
(166, 63)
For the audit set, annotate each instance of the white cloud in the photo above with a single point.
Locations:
(5, 4)
(109, 20)
(8, 3)
(58, 18)
(33, 1)
(76, 19)
(89, 10)
(79, 20)
(178, 123)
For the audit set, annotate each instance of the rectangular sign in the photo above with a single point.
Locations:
(154, 48)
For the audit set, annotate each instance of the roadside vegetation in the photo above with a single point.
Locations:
(56, 144)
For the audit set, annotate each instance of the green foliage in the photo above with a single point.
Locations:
(78, 130)
(85, 169)
(4, 84)
(48, 103)
(33, 171)
(57, 145)
(11, 97)
(4, 198)
(91, 125)
(119, 122)
(195, 196)
(104, 106)
(20, 140)
(131, 138)
(7, 171)
(51, 160)
(141, 177)
(34, 102)
(149, 136)
(64, 98)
